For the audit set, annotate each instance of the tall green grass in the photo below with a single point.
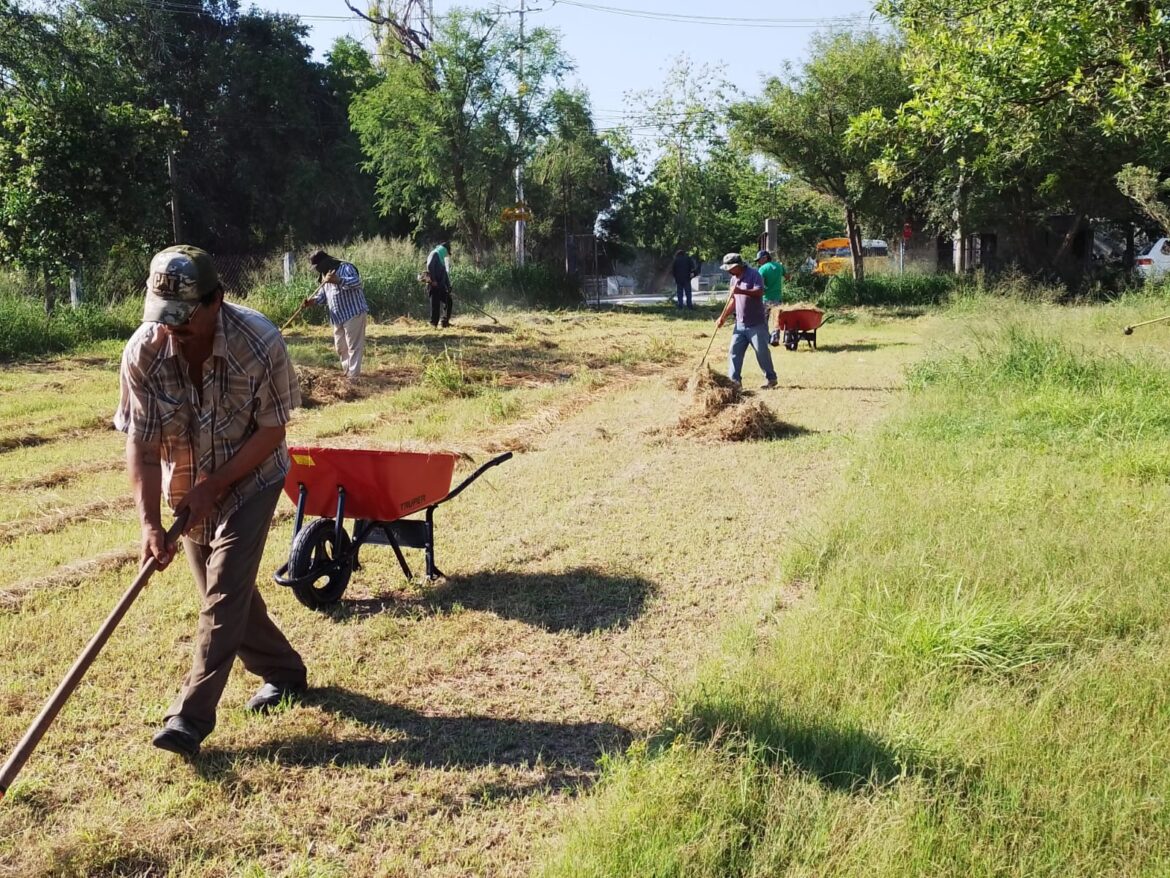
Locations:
(389, 270)
(26, 331)
(976, 683)
(879, 289)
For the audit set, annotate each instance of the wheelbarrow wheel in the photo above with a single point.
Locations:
(316, 550)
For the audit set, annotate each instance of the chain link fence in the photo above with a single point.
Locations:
(123, 276)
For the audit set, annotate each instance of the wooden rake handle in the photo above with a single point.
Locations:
(53, 706)
(713, 331)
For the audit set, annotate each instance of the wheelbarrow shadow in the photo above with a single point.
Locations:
(569, 752)
(858, 346)
(580, 600)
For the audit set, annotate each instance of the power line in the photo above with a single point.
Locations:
(720, 21)
(178, 7)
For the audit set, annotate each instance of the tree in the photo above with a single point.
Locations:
(267, 157)
(803, 119)
(76, 157)
(452, 118)
(1024, 108)
(573, 177)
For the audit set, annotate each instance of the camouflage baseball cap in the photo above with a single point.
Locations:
(179, 277)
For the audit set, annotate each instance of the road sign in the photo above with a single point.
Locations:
(907, 232)
(516, 213)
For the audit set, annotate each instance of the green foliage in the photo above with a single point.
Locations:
(68, 164)
(98, 92)
(78, 156)
(446, 374)
(1023, 110)
(571, 180)
(685, 197)
(802, 120)
(1141, 186)
(440, 129)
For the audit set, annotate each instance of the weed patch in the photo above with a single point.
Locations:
(446, 374)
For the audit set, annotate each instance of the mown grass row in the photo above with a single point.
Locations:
(975, 683)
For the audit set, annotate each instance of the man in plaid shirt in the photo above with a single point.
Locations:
(206, 391)
(342, 294)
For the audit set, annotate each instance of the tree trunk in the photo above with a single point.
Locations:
(855, 250)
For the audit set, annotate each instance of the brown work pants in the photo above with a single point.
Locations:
(234, 619)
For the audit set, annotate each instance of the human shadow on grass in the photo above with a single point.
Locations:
(569, 751)
(856, 347)
(580, 600)
(841, 757)
(702, 312)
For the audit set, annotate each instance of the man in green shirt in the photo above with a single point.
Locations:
(773, 275)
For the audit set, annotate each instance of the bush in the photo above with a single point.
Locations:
(886, 289)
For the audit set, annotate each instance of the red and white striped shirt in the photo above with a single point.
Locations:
(248, 382)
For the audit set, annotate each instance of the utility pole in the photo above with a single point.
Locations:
(173, 174)
(521, 88)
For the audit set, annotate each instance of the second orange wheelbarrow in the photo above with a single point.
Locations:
(800, 324)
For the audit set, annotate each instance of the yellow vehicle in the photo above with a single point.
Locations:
(833, 256)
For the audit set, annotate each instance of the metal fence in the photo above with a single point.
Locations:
(123, 276)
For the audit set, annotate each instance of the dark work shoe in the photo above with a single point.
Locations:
(270, 695)
(768, 385)
(178, 736)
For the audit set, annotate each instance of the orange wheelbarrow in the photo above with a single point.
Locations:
(378, 489)
(800, 324)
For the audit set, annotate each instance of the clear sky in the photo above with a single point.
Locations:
(619, 46)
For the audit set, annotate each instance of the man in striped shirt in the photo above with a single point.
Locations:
(341, 292)
(206, 391)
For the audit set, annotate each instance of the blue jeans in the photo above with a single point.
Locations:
(757, 337)
(680, 289)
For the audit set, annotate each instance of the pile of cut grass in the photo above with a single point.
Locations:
(716, 410)
(324, 387)
(978, 686)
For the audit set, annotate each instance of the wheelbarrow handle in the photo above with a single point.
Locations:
(495, 461)
(53, 706)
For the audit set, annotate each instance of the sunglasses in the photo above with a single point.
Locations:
(190, 316)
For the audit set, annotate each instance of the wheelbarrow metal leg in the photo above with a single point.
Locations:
(339, 521)
(433, 572)
(397, 551)
(299, 520)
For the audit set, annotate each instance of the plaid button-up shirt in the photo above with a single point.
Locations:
(345, 301)
(248, 382)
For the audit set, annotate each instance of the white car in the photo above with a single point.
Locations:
(1156, 263)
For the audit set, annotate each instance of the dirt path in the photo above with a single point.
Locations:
(451, 726)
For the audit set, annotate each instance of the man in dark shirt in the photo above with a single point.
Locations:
(439, 286)
(683, 269)
(751, 320)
